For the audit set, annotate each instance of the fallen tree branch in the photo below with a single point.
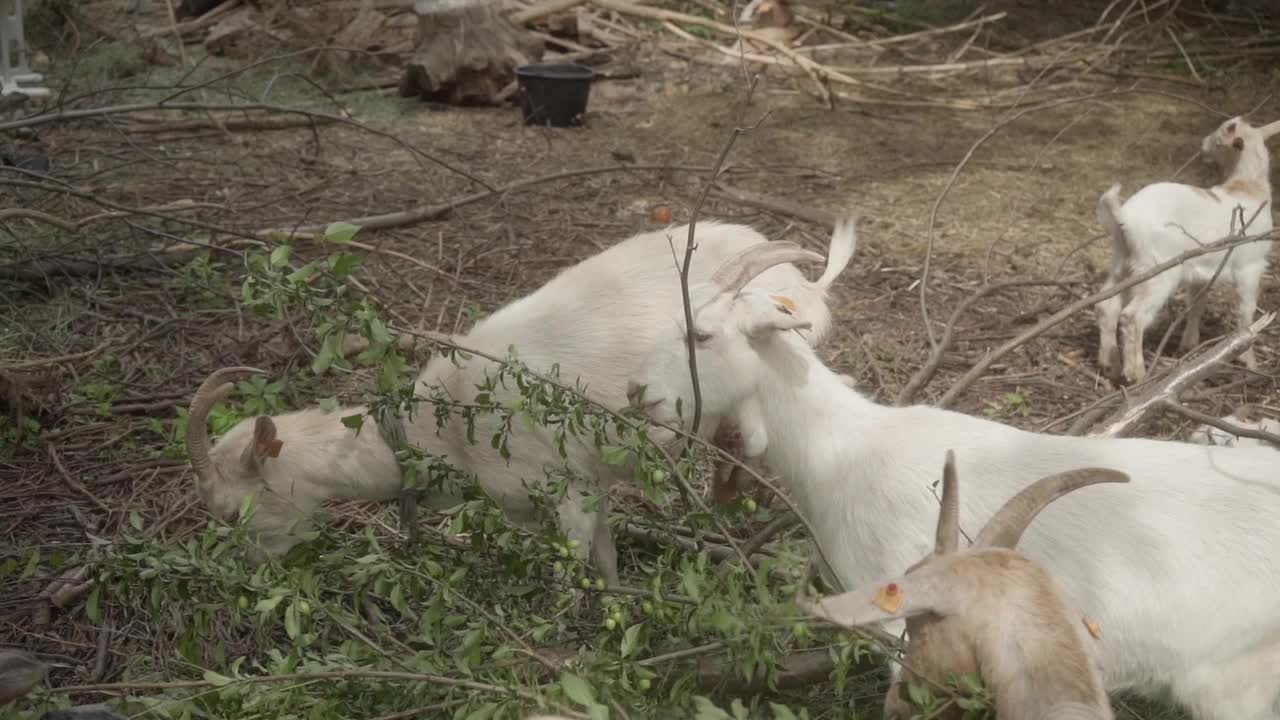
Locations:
(435, 212)
(1193, 371)
(1221, 424)
(1059, 317)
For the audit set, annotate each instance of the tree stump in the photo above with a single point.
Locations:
(466, 52)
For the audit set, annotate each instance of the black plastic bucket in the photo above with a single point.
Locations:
(554, 94)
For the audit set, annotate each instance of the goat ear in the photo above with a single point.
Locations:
(265, 443)
(776, 313)
(892, 599)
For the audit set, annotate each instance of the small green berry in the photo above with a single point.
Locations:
(610, 624)
(558, 568)
(751, 505)
(646, 607)
(304, 607)
(573, 544)
(600, 583)
(658, 476)
(242, 602)
(645, 684)
(585, 583)
(564, 551)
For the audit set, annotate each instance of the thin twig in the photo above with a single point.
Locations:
(1193, 370)
(1057, 318)
(690, 246)
(1221, 424)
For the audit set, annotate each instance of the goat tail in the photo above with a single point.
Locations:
(1109, 218)
(844, 240)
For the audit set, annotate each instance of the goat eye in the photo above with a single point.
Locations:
(699, 336)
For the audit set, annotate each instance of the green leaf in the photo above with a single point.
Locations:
(344, 264)
(91, 605)
(630, 639)
(378, 332)
(782, 712)
(919, 694)
(268, 604)
(577, 689)
(291, 621)
(280, 256)
(340, 232)
(135, 519)
(613, 454)
(355, 422)
(323, 359)
(704, 709)
(329, 404)
(217, 680)
(302, 273)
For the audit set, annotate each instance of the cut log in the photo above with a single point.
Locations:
(467, 51)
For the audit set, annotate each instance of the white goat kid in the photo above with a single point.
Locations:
(1164, 219)
(595, 319)
(1149, 562)
(988, 611)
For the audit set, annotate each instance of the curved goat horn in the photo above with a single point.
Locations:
(948, 536)
(1005, 528)
(739, 270)
(211, 392)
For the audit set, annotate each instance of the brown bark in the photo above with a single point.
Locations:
(466, 52)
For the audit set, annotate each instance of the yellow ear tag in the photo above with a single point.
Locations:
(785, 303)
(1093, 628)
(888, 598)
(270, 449)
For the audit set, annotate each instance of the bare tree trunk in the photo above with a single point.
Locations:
(466, 53)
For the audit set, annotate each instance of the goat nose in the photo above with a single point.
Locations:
(635, 391)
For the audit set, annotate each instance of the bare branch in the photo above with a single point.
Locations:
(1192, 371)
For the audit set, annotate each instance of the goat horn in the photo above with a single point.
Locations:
(1005, 528)
(740, 269)
(211, 392)
(948, 537)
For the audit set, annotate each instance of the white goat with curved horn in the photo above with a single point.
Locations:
(594, 320)
(1179, 566)
(988, 611)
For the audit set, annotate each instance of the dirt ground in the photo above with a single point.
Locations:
(1022, 208)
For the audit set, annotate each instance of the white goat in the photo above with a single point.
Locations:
(1180, 566)
(1248, 417)
(595, 320)
(988, 611)
(1164, 219)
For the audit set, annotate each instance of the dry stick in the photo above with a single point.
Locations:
(951, 181)
(58, 359)
(778, 525)
(307, 677)
(75, 484)
(1222, 425)
(239, 107)
(432, 212)
(816, 216)
(1052, 321)
(689, 247)
(922, 376)
(1184, 377)
(546, 7)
